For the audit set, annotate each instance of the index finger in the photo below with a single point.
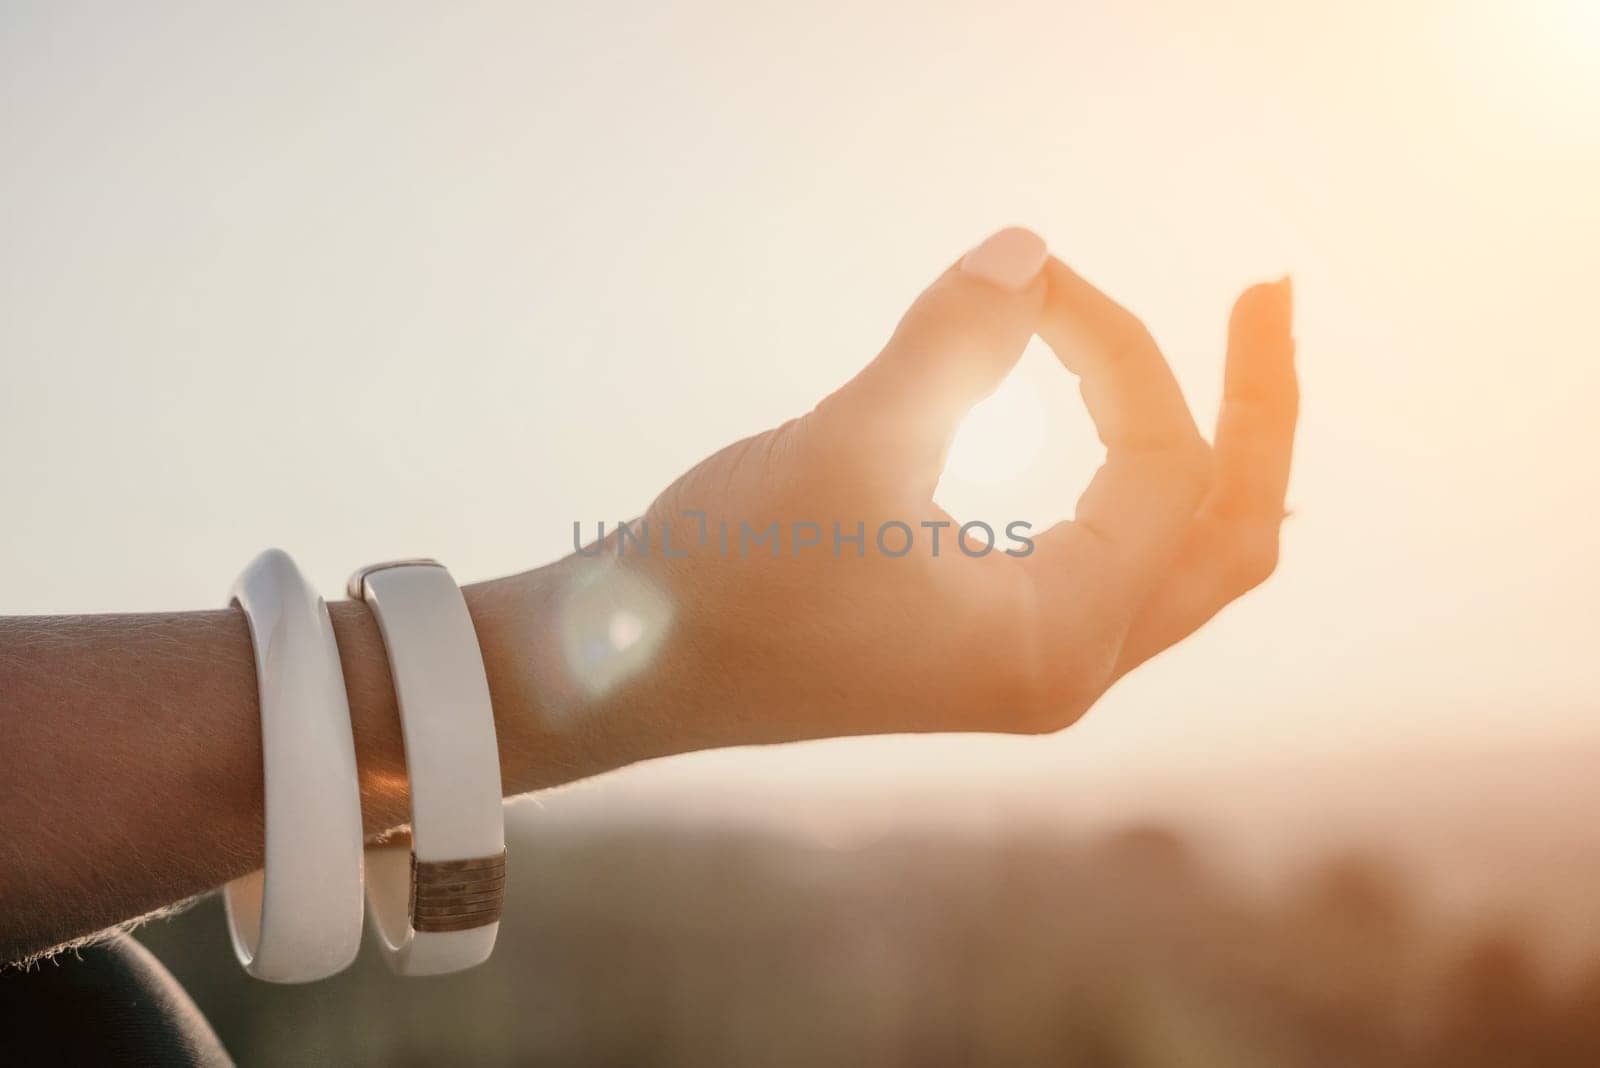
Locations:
(1141, 502)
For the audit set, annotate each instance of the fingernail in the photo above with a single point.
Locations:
(1010, 258)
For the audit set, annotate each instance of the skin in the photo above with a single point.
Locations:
(131, 775)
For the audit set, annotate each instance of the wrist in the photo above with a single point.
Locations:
(510, 616)
(594, 664)
(515, 621)
(374, 717)
(551, 728)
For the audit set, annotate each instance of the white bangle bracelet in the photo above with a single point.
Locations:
(299, 918)
(437, 906)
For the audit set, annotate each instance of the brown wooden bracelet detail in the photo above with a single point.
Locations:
(457, 895)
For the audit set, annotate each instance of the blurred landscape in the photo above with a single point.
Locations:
(1455, 930)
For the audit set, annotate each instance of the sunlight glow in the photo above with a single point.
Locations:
(1002, 437)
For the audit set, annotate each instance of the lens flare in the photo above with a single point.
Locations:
(613, 621)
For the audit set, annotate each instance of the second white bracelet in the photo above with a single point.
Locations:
(436, 906)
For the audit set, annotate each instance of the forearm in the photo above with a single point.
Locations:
(131, 765)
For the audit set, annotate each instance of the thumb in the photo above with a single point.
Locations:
(954, 346)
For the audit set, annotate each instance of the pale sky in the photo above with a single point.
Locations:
(393, 280)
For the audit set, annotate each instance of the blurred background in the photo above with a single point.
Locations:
(372, 281)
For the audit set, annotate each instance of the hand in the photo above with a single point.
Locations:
(738, 631)
(790, 632)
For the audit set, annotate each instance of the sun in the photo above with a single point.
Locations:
(1001, 438)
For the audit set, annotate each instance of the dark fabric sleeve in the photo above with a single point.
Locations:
(111, 1003)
